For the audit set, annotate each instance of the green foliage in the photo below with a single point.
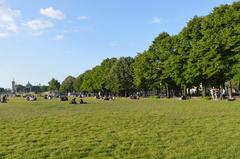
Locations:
(67, 85)
(88, 82)
(97, 79)
(186, 58)
(205, 53)
(145, 72)
(112, 76)
(121, 76)
(107, 82)
(54, 85)
(77, 85)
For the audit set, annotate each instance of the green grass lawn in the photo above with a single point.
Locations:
(148, 128)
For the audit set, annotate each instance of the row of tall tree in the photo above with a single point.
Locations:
(113, 76)
(206, 53)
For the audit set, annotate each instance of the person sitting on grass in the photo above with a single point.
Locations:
(105, 98)
(111, 97)
(183, 98)
(134, 97)
(4, 99)
(73, 101)
(63, 98)
(82, 102)
(31, 98)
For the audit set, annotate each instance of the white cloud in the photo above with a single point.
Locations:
(83, 17)
(156, 20)
(59, 37)
(38, 25)
(3, 35)
(8, 18)
(52, 13)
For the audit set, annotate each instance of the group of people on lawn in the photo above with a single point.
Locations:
(217, 94)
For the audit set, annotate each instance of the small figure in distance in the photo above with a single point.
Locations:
(34, 98)
(45, 96)
(105, 98)
(63, 98)
(82, 102)
(183, 98)
(4, 99)
(231, 99)
(27, 98)
(48, 97)
(111, 97)
(31, 98)
(134, 97)
(97, 97)
(138, 97)
(73, 101)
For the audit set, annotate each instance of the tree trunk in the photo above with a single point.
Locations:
(197, 93)
(221, 92)
(184, 90)
(159, 93)
(230, 90)
(146, 93)
(239, 87)
(168, 91)
(204, 90)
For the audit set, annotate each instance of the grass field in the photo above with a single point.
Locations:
(148, 128)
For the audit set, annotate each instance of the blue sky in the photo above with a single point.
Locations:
(41, 39)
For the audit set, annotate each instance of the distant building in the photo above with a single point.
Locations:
(14, 89)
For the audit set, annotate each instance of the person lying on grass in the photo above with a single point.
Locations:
(73, 101)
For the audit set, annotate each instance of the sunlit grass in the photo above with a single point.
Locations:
(148, 128)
